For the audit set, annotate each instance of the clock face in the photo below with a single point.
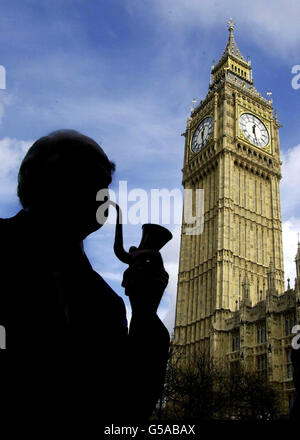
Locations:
(202, 134)
(254, 130)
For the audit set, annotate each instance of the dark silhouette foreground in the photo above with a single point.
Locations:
(295, 410)
(71, 355)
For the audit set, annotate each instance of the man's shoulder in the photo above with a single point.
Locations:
(109, 303)
(6, 223)
(106, 287)
(11, 223)
(108, 293)
(9, 230)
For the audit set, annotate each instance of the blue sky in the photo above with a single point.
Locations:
(125, 72)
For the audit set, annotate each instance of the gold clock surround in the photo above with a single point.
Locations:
(194, 129)
(240, 134)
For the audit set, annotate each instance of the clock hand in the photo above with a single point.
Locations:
(254, 132)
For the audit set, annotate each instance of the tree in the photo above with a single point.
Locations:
(204, 389)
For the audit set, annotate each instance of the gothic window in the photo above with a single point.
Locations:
(262, 245)
(261, 364)
(255, 196)
(245, 250)
(239, 186)
(261, 200)
(290, 321)
(256, 244)
(289, 365)
(245, 198)
(235, 342)
(261, 334)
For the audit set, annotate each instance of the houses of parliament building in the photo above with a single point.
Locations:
(231, 299)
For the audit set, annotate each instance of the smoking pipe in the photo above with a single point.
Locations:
(154, 238)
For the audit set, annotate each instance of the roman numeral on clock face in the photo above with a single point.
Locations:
(254, 130)
(202, 134)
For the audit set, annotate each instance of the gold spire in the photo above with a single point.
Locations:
(231, 47)
(298, 250)
(230, 25)
(231, 60)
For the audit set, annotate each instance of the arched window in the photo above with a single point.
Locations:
(263, 335)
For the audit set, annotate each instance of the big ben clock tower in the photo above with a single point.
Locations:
(236, 263)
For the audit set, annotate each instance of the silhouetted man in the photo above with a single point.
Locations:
(66, 329)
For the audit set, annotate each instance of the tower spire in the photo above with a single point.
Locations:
(230, 25)
(298, 250)
(297, 261)
(231, 47)
(232, 65)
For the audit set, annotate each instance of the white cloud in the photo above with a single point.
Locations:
(290, 188)
(12, 152)
(290, 207)
(273, 25)
(290, 229)
(171, 261)
(5, 99)
(1, 111)
(113, 276)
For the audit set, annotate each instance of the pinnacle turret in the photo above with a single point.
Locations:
(232, 64)
(231, 47)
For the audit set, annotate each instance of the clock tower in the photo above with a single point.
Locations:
(232, 153)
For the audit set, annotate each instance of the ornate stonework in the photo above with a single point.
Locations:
(231, 299)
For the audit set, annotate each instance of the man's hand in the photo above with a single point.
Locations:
(145, 281)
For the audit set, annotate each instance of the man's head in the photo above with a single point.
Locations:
(59, 178)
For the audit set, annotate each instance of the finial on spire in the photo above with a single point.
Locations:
(230, 25)
(194, 100)
(269, 94)
(298, 253)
